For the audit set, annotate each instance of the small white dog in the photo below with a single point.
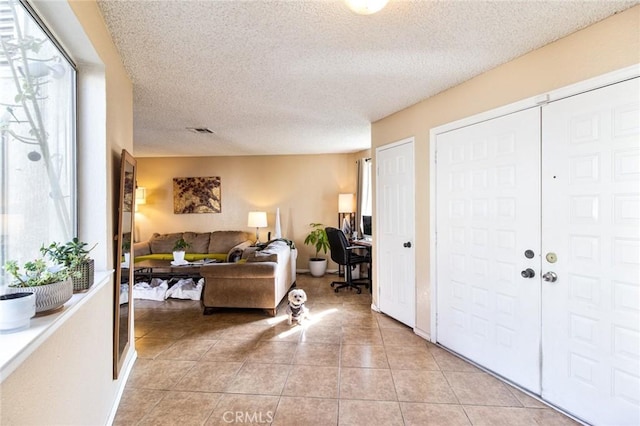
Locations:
(295, 308)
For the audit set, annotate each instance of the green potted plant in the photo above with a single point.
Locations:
(318, 239)
(75, 257)
(51, 285)
(179, 249)
(126, 252)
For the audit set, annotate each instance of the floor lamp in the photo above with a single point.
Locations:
(345, 210)
(345, 217)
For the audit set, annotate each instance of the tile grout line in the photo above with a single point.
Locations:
(339, 391)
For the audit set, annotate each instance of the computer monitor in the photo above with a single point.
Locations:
(366, 226)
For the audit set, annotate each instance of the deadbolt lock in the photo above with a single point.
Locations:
(551, 257)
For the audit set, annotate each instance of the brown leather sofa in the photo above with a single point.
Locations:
(261, 279)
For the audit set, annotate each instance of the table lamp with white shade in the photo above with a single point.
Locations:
(257, 220)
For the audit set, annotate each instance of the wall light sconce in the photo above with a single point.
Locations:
(257, 220)
(141, 196)
(366, 7)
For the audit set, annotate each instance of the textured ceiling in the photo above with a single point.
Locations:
(308, 77)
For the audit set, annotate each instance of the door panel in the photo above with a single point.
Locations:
(488, 215)
(590, 220)
(396, 261)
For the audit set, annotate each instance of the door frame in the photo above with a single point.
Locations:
(376, 302)
(531, 102)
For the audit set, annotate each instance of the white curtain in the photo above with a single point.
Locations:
(364, 204)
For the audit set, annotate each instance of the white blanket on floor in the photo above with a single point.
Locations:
(155, 290)
(186, 289)
(124, 293)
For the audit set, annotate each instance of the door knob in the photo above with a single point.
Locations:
(528, 273)
(550, 276)
(407, 244)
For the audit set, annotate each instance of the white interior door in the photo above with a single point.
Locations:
(395, 231)
(590, 228)
(488, 216)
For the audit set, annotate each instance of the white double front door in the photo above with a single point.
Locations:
(538, 250)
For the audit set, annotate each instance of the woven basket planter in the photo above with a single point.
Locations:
(85, 280)
(49, 296)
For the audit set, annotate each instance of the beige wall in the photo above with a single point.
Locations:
(68, 379)
(304, 187)
(606, 46)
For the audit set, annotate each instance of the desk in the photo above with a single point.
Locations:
(364, 243)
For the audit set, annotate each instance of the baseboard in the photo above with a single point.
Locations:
(124, 377)
(306, 271)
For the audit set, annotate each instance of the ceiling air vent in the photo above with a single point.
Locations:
(202, 130)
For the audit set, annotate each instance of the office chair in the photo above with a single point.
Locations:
(343, 254)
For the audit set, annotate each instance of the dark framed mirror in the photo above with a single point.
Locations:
(123, 243)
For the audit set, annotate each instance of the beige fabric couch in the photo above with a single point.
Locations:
(261, 279)
(217, 245)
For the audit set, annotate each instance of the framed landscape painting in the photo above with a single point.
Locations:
(196, 195)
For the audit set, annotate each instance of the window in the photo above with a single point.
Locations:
(367, 198)
(37, 136)
(364, 197)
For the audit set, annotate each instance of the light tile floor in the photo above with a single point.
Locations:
(346, 366)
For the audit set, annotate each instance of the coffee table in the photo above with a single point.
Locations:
(154, 268)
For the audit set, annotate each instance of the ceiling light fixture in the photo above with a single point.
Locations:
(366, 7)
(205, 130)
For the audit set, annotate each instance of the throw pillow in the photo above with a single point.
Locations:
(163, 243)
(234, 256)
(199, 241)
(223, 241)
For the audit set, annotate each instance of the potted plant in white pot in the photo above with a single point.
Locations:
(126, 253)
(179, 250)
(318, 239)
(75, 257)
(52, 285)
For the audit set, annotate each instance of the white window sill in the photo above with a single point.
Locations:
(16, 347)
